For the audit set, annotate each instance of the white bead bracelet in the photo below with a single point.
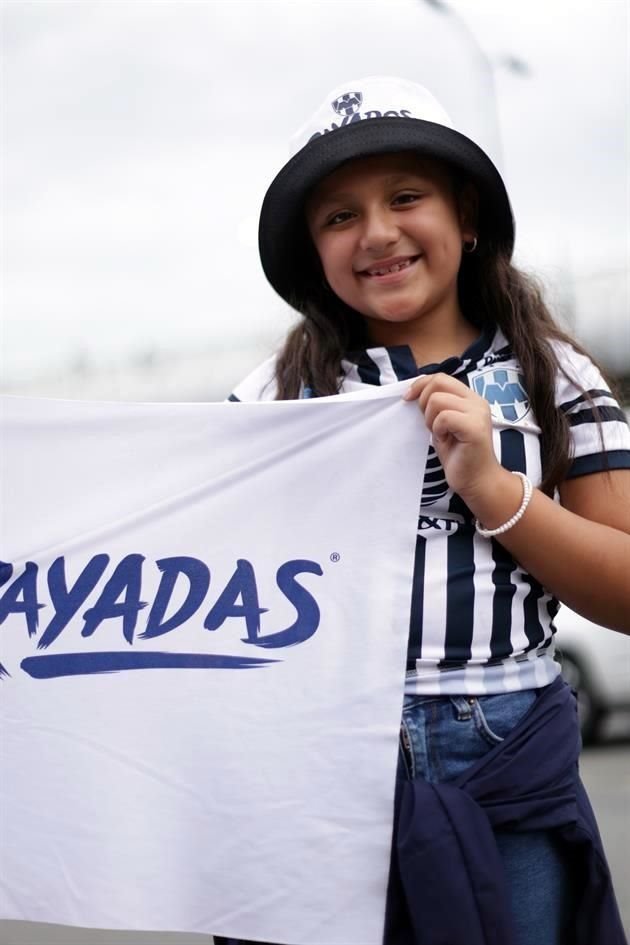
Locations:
(518, 515)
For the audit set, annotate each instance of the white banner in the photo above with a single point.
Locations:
(204, 613)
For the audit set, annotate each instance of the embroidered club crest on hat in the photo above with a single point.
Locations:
(348, 104)
(374, 115)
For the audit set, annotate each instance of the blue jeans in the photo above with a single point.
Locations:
(441, 736)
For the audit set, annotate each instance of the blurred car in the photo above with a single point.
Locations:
(596, 663)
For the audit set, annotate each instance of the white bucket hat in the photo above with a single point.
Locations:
(362, 117)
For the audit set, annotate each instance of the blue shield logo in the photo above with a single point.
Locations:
(348, 104)
(504, 390)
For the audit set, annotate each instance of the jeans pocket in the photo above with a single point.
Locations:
(496, 716)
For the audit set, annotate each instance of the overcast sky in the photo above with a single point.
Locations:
(140, 136)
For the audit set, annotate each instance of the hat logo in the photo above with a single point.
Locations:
(348, 104)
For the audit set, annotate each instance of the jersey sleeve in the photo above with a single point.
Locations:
(585, 397)
(259, 385)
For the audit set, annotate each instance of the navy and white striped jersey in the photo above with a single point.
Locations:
(479, 623)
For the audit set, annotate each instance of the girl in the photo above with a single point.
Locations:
(392, 234)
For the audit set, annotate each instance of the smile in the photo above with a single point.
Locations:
(394, 266)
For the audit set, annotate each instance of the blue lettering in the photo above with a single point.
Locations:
(67, 602)
(198, 575)
(25, 585)
(243, 584)
(6, 570)
(425, 521)
(307, 620)
(120, 597)
(127, 580)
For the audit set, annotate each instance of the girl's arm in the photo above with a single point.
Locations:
(580, 550)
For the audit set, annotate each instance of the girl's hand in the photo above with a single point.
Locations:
(461, 425)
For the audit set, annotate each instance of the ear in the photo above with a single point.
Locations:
(468, 206)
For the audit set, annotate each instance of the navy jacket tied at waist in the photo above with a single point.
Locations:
(447, 885)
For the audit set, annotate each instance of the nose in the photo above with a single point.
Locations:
(380, 230)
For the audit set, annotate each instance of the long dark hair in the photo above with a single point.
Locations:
(492, 293)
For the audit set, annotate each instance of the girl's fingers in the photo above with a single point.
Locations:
(442, 401)
(415, 389)
(424, 387)
(457, 423)
(436, 392)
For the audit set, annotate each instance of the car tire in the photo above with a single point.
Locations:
(590, 712)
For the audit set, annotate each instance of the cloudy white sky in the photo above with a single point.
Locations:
(139, 137)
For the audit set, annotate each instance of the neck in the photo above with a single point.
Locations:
(429, 343)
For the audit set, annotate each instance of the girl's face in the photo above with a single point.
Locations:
(389, 235)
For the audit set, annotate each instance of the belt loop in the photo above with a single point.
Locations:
(463, 707)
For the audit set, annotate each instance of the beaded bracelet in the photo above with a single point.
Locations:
(527, 494)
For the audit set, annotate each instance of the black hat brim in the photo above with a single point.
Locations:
(281, 227)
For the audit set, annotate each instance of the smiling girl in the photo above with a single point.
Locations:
(389, 240)
(391, 233)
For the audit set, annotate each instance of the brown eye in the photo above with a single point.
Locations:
(406, 198)
(341, 217)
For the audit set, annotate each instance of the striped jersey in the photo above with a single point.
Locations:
(480, 624)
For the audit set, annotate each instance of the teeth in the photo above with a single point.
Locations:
(395, 268)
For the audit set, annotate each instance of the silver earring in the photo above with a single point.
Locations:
(471, 246)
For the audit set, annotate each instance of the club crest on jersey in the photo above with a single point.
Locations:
(504, 389)
(348, 103)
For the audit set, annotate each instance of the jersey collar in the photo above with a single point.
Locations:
(403, 362)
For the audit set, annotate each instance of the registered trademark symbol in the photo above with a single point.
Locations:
(335, 556)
